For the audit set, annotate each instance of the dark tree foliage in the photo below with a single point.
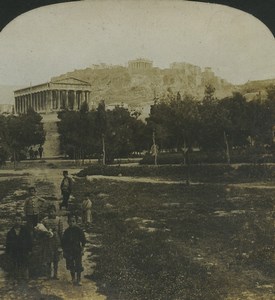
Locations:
(175, 121)
(87, 134)
(78, 135)
(238, 119)
(22, 132)
(4, 147)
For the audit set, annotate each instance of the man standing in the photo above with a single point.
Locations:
(66, 189)
(40, 150)
(32, 207)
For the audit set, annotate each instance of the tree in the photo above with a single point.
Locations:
(24, 131)
(123, 132)
(4, 148)
(214, 123)
(101, 124)
(175, 121)
(238, 129)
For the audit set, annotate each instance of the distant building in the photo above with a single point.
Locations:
(6, 109)
(140, 64)
(49, 98)
(53, 96)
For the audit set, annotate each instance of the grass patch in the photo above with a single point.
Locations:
(178, 242)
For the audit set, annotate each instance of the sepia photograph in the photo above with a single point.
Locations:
(137, 151)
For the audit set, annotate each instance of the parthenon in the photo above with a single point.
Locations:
(53, 96)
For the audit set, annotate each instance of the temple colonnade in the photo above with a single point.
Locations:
(53, 96)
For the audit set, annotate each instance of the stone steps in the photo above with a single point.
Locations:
(52, 142)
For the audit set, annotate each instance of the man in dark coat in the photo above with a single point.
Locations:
(18, 247)
(66, 189)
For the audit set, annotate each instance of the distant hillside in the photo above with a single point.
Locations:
(116, 84)
(6, 93)
(256, 85)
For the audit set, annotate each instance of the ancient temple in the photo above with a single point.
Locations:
(49, 98)
(53, 96)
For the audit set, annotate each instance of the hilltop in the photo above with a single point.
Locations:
(140, 82)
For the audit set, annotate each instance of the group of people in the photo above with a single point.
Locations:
(33, 154)
(41, 241)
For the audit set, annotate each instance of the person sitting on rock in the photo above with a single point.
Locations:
(18, 247)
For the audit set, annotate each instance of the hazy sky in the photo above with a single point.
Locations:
(55, 39)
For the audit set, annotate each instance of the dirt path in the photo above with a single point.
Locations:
(43, 288)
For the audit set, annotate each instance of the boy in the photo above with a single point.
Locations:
(73, 242)
(19, 247)
(32, 207)
(86, 210)
(52, 250)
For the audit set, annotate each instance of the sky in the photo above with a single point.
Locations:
(60, 38)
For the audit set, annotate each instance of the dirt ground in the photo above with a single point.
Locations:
(157, 239)
(47, 182)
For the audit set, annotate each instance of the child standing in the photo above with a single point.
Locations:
(32, 207)
(18, 247)
(87, 210)
(73, 242)
(52, 250)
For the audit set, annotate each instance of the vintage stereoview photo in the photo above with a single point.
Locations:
(137, 153)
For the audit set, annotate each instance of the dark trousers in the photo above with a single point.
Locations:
(66, 196)
(32, 220)
(74, 262)
(20, 269)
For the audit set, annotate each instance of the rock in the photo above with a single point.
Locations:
(102, 195)
(109, 206)
(20, 193)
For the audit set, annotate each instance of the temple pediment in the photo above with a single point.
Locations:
(70, 81)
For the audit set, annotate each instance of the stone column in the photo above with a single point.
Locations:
(20, 104)
(66, 100)
(43, 100)
(75, 106)
(57, 94)
(29, 100)
(35, 102)
(39, 101)
(47, 101)
(32, 101)
(82, 99)
(15, 104)
(24, 104)
(88, 97)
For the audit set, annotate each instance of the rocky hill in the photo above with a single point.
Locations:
(116, 84)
